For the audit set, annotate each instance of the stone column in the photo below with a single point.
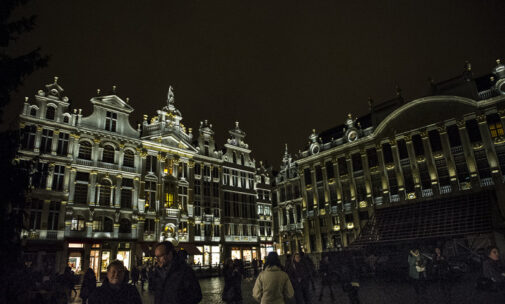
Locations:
(120, 155)
(68, 178)
(383, 173)
(303, 189)
(71, 191)
(413, 165)
(54, 142)
(487, 141)
(72, 145)
(119, 182)
(314, 189)
(468, 150)
(92, 188)
(38, 139)
(135, 192)
(430, 161)
(96, 151)
(49, 181)
(449, 159)
(326, 189)
(398, 168)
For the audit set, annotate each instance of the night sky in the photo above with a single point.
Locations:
(280, 68)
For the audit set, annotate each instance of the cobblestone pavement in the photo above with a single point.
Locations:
(372, 291)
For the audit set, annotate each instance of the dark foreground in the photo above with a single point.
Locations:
(371, 291)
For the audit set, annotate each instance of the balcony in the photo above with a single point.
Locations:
(456, 150)
(149, 237)
(44, 234)
(240, 238)
(378, 200)
(334, 209)
(84, 162)
(445, 189)
(486, 182)
(427, 192)
(102, 235)
(172, 212)
(108, 166)
(395, 198)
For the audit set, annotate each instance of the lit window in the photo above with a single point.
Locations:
(496, 129)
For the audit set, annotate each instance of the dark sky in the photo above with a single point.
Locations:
(281, 68)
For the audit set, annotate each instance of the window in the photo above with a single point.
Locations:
(206, 170)
(125, 226)
(198, 189)
(66, 119)
(35, 214)
(251, 181)
(149, 226)
(103, 224)
(308, 176)
(234, 178)
(50, 112)
(226, 176)
(58, 177)
(454, 138)
(33, 112)
(435, 142)
(319, 174)
(151, 163)
(40, 177)
(206, 188)
(53, 217)
(78, 224)
(111, 121)
(242, 161)
(28, 137)
(150, 195)
(126, 193)
(417, 142)
(402, 149)
(342, 166)
(372, 157)
(357, 164)
(197, 169)
(46, 141)
(85, 150)
(472, 127)
(108, 154)
(329, 170)
(81, 188)
(260, 209)
(242, 179)
(388, 153)
(215, 189)
(496, 129)
(129, 159)
(62, 144)
(105, 193)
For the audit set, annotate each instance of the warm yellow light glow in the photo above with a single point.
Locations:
(363, 204)
(350, 225)
(411, 195)
(336, 228)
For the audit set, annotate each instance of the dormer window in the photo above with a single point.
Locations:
(50, 113)
(111, 121)
(33, 112)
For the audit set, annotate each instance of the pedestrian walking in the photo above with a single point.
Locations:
(299, 273)
(312, 269)
(135, 275)
(273, 285)
(88, 284)
(441, 273)
(326, 277)
(232, 291)
(417, 272)
(143, 277)
(255, 267)
(114, 289)
(175, 282)
(493, 270)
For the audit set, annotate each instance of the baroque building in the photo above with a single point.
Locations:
(101, 189)
(424, 170)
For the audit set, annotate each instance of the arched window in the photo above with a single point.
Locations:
(108, 154)
(125, 226)
(85, 150)
(234, 157)
(33, 112)
(65, 119)
(108, 224)
(128, 160)
(105, 193)
(242, 162)
(50, 113)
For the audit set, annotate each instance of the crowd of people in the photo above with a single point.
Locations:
(173, 281)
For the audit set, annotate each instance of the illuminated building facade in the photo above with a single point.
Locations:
(431, 168)
(101, 189)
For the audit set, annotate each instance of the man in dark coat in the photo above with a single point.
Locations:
(175, 282)
(114, 289)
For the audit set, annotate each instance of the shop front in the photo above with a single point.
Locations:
(208, 256)
(246, 254)
(265, 249)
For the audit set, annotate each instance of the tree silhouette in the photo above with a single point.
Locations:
(14, 286)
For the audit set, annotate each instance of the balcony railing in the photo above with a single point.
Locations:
(395, 198)
(84, 162)
(108, 166)
(445, 189)
(378, 200)
(486, 182)
(427, 192)
(456, 150)
(334, 209)
(240, 238)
